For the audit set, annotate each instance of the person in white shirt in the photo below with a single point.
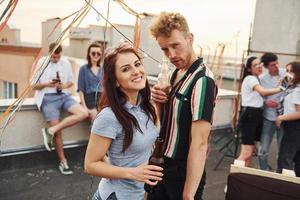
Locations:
(52, 96)
(289, 151)
(252, 106)
(269, 80)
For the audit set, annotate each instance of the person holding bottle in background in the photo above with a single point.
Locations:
(269, 80)
(52, 96)
(90, 80)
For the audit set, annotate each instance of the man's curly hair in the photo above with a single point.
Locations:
(166, 22)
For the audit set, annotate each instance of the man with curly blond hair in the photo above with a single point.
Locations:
(187, 108)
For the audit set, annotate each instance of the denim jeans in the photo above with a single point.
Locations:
(289, 154)
(268, 130)
(96, 196)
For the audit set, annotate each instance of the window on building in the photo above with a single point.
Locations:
(4, 40)
(8, 90)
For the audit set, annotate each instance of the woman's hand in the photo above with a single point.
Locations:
(278, 121)
(149, 174)
(271, 103)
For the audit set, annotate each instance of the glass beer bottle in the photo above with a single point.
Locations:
(157, 159)
(163, 76)
(58, 90)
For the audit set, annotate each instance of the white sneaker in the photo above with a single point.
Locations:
(64, 168)
(48, 139)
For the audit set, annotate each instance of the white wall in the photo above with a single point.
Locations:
(276, 28)
(24, 134)
(47, 27)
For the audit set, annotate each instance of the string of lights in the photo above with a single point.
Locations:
(9, 9)
(9, 113)
(114, 27)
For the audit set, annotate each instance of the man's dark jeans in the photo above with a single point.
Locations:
(171, 187)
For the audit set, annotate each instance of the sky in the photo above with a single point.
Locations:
(211, 21)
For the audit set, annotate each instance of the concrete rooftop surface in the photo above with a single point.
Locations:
(35, 176)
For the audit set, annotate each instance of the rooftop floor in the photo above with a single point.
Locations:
(36, 176)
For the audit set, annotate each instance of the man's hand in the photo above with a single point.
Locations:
(187, 197)
(62, 86)
(50, 84)
(59, 86)
(159, 95)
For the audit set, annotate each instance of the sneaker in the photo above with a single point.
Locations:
(64, 168)
(48, 139)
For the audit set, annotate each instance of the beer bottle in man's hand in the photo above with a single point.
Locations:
(163, 76)
(157, 159)
(58, 90)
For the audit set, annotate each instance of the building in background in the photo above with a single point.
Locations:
(47, 29)
(16, 57)
(81, 38)
(15, 66)
(10, 35)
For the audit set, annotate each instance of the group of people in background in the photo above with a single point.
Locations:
(271, 104)
(127, 116)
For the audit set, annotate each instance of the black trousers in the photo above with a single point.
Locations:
(171, 187)
(91, 100)
(289, 151)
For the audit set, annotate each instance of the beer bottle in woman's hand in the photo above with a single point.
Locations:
(157, 159)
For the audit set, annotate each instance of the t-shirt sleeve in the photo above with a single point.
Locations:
(296, 96)
(252, 81)
(106, 124)
(81, 82)
(203, 99)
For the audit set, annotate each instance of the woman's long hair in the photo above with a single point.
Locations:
(247, 67)
(88, 57)
(296, 70)
(113, 97)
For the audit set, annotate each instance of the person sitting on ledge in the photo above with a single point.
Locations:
(52, 97)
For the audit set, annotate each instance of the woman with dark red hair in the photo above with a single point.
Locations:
(124, 130)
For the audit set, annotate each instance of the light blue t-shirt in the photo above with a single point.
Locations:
(107, 125)
(268, 81)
